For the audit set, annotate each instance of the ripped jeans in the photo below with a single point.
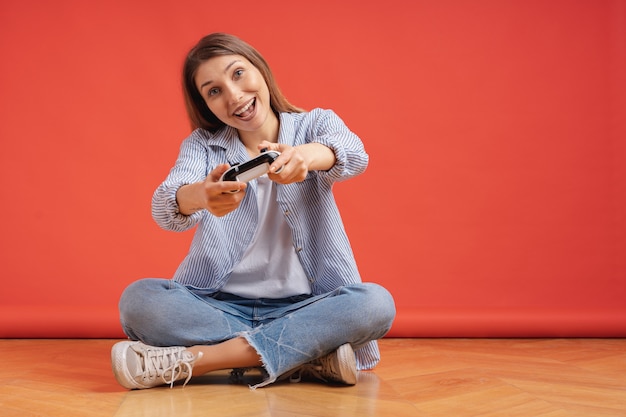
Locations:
(286, 333)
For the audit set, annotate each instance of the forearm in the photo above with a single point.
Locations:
(318, 157)
(191, 198)
(165, 210)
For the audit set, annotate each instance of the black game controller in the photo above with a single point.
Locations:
(251, 169)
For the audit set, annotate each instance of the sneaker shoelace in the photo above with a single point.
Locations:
(168, 364)
(322, 368)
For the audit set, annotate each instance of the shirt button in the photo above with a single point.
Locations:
(299, 249)
(287, 212)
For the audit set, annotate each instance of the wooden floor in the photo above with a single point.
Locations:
(417, 377)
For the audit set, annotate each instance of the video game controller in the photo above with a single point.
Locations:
(251, 169)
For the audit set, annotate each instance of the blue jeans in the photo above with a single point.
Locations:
(286, 333)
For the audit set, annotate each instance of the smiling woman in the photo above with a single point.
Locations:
(270, 270)
(236, 93)
(233, 50)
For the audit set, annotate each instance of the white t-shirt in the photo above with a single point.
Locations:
(270, 267)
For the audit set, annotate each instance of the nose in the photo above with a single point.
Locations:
(234, 93)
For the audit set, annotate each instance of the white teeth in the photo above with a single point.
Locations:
(247, 106)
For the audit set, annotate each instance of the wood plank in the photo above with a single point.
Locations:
(417, 378)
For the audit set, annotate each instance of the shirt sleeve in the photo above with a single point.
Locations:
(190, 167)
(367, 356)
(331, 131)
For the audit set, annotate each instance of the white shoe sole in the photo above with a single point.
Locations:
(119, 354)
(347, 364)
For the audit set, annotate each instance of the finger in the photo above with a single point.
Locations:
(230, 187)
(268, 146)
(225, 203)
(282, 160)
(218, 171)
(277, 167)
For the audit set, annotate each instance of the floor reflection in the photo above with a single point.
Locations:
(218, 394)
(315, 399)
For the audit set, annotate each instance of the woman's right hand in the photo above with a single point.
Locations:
(211, 194)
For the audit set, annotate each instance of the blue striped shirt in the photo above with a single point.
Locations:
(309, 208)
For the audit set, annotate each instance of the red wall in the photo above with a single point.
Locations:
(494, 204)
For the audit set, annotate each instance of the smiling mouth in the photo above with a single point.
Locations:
(247, 109)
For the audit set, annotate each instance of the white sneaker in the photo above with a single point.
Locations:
(338, 366)
(138, 366)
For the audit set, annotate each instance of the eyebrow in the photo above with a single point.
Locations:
(225, 71)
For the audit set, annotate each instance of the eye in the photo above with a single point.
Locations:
(213, 92)
(238, 73)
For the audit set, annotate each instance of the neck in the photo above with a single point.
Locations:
(267, 132)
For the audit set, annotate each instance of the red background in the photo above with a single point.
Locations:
(494, 204)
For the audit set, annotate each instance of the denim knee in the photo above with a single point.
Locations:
(138, 292)
(139, 305)
(379, 305)
(372, 309)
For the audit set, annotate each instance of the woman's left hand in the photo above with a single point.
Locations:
(295, 162)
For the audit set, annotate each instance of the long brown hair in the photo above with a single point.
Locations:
(217, 44)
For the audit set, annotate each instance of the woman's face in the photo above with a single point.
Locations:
(235, 91)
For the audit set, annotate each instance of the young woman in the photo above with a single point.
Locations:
(270, 280)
